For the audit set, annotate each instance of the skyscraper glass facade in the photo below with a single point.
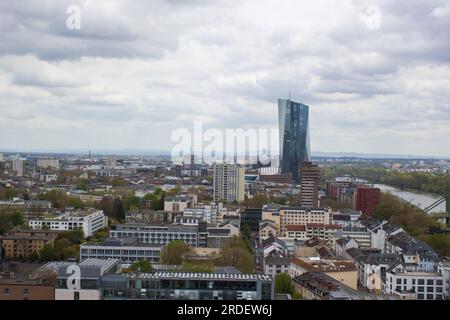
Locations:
(293, 124)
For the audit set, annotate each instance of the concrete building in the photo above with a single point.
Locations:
(342, 245)
(12, 289)
(195, 236)
(343, 271)
(301, 216)
(89, 221)
(321, 286)
(267, 228)
(23, 245)
(126, 250)
(179, 203)
(229, 183)
(418, 284)
(48, 163)
(307, 231)
(309, 185)
(380, 231)
(360, 234)
(17, 166)
(274, 265)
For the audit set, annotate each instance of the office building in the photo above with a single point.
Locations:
(194, 235)
(229, 183)
(251, 217)
(89, 221)
(220, 285)
(293, 125)
(309, 184)
(126, 250)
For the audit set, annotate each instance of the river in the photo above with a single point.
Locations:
(417, 198)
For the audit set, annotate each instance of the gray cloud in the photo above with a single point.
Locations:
(136, 70)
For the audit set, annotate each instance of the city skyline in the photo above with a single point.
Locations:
(375, 73)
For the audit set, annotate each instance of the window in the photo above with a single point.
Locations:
(420, 289)
(430, 282)
(76, 296)
(430, 297)
(26, 292)
(7, 291)
(420, 296)
(421, 282)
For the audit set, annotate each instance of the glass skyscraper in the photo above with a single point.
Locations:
(293, 122)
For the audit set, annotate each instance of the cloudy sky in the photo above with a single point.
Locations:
(375, 73)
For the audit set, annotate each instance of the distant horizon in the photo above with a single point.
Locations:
(156, 152)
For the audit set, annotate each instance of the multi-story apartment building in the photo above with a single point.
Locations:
(17, 166)
(89, 221)
(179, 203)
(418, 284)
(307, 231)
(360, 234)
(229, 183)
(274, 265)
(343, 271)
(24, 245)
(366, 199)
(309, 185)
(302, 216)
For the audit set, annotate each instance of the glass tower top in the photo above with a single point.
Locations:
(293, 122)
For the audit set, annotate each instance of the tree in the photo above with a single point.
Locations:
(118, 211)
(34, 256)
(75, 236)
(57, 197)
(107, 205)
(283, 284)
(172, 253)
(47, 253)
(75, 202)
(236, 253)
